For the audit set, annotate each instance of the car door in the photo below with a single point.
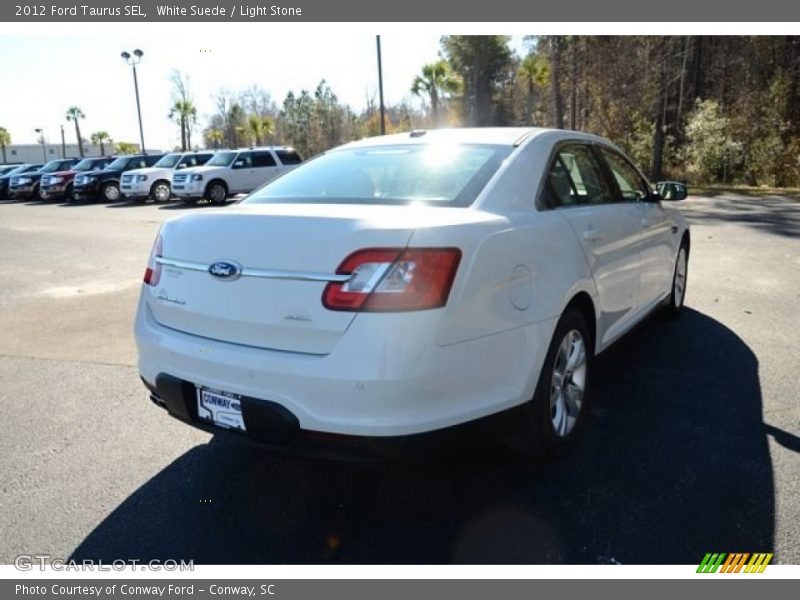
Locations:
(243, 174)
(656, 235)
(608, 231)
(266, 167)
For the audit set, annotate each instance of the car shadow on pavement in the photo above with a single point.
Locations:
(675, 464)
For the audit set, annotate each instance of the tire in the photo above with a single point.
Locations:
(553, 419)
(217, 192)
(68, 197)
(161, 191)
(111, 192)
(40, 194)
(677, 294)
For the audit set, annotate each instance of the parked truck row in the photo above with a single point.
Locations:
(214, 175)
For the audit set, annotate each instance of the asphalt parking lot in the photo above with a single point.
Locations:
(693, 445)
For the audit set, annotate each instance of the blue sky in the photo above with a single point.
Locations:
(45, 74)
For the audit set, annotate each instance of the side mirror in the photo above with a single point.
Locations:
(179, 167)
(672, 190)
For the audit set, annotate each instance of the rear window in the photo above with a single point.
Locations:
(439, 174)
(289, 157)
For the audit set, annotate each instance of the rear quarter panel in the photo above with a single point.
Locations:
(515, 270)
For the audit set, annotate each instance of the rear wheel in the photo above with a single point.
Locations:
(679, 278)
(160, 192)
(554, 417)
(216, 192)
(111, 192)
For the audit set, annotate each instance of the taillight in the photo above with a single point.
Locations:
(152, 274)
(394, 279)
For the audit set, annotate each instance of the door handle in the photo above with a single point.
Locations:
(591, 234)
(674, 229)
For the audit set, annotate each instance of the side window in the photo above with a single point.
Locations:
(289, 157)
(243, 161)
(575, 178)
(263, 159)
(630, 183)
(149, 161)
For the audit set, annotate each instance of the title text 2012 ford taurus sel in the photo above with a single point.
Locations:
(402, 285)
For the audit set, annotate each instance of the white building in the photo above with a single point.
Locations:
(35, 153)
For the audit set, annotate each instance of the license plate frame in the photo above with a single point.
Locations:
(220, 408)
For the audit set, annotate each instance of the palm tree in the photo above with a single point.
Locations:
(215, 136)
(534, 72)
(126, 148)
(5, 140)
(75, 114)
(184, 113)
(260, 128)
(101, 138)
(436, 81)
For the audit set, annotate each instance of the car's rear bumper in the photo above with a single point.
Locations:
(385, 377)
(271, 426)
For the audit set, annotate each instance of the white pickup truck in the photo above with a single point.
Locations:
(232, 172)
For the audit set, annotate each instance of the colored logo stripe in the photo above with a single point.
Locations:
(710, 563)
(734, 562)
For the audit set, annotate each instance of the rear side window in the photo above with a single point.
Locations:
(575, 178)
(263, 159)
(632, 186)
(289, 157)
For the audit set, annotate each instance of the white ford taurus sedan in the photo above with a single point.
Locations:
(403, 285)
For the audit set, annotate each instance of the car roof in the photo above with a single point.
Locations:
(258, 148)
(503, 136)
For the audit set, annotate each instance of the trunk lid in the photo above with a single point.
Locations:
(257, 309)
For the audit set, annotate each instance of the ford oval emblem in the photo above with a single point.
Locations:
(225, 269)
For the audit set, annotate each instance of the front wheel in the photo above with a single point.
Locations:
(217, 193)
(160, 192)
(554, 417)
(111, 192)
(678, 293)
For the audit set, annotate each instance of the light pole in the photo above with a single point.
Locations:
(42, 142)
(63, 144)
(380, 85)
(133, 61)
